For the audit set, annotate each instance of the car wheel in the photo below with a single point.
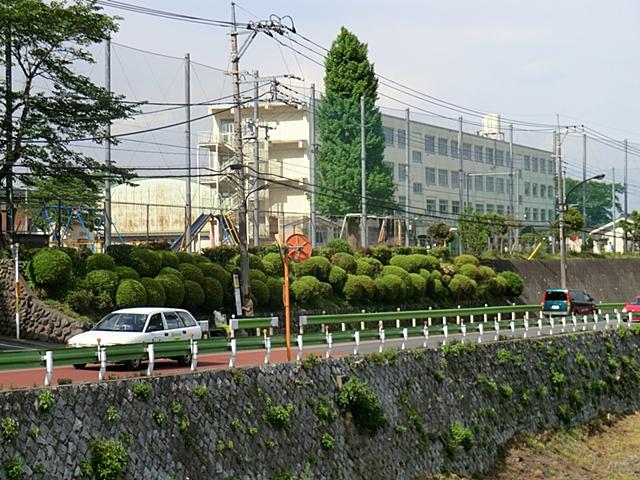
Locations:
(184, 360)
(79, 366)
(133, 364)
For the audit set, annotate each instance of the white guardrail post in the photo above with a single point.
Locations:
(574, 321)
(102, 356)
(151, 355)
(48, 363)
(539, 325)
(480, 331)
(463, 330)
(564, 323)
(496, 327)
(194, 355)
(552, 322)
(526, 326)
(606, 322)
(329, 339)
(233, 344)
(356, 339)
(381, 336)
(405, 337)
(445, 332)
(425, 333)
(267, 347)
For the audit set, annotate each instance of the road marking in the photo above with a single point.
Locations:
(32, 347)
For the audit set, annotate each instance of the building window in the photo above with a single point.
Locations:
(527, 188)
(488, 155)
(499, 185)
(500, 209)
(534, 189)
(455, 179)
(551, 217)
(442, 146)
(543, 215)
(527, 160)
(527, 214)
(477, 153)
(550, 193)
(431, 205)
(402, 138)
(534, 164)
(469, 185)
(417, 188)
(402, 201)
(489, 208)
(535, 215)
(543, 191)
(489, 184)
(543, 166)
(443, 177)
(402, 173)
(466, 151)
(429, 144)
(416, 156)
(430, 176)
(390, 166)
(479, 208)
(499, 158)
(444, 206)
(551, 167)
(519, 199)
(454, 149)
(479, 183)
(388, 135)
(455, 207)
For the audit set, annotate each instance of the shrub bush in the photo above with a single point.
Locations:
(213, 294)
(345, 261)
(462, 286)
(260, 292)
(441, 253)
(439, 290)
(353, 290)
(369, 288)
(414, 262)
(255, 262)
(358, 398)
(173, 290)
(514, 283)
(403, 261)
(318, 267)
(485, 273)
(428, 278)
(200, 259)
(103, 281)
(221, 254)
(131, 293)
(273, 264)
(120, 252)
(193, 296)
(257, 275)
(469, 270)
(275, 292)
(465, 259)
(325, 290)
(103, 302)
(191, 272)
(51, 269)
(393, 270)
(146, 262)
(155, 292)
(81, 301)
(395, 289)
(170, 259)
(185, 257)
(108, 459)
(216, 271)
(368, 266)
(126, 272)
(498, 286)
(171, 271)
(381, 253)
(337, 278)
(99, 261)
(340, 246)
(419, 286)
(306, 290)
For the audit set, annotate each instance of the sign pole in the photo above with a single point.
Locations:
(287, 306)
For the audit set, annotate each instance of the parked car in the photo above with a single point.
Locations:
(140, 325)
(634, 307)
(567, 301)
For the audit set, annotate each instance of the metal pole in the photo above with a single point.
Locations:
(16, 266)
(407, 182)
(461, 182)
(107, 155)
(187, 141)
(363, 177)
(584, 190)
(312, 122)
(613, 209)
(511, 189)
(59, 225)
(8, 126)
(237, 126)
(561, 208)
(256, 161)
(626, 196)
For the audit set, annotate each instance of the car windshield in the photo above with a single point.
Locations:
(555, 295)
(636, 301)
(122, 322)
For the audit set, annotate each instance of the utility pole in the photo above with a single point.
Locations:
(8, 128)
(187, 141)
(613, 209)
(363, 177)
(314, 147)
(561, 211)
(256, 160)
(407, 182)
(584, 190)
(461, 183)
(107, 154)
(626, 187)
(511, 189)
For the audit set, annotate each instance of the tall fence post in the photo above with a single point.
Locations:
(405, 337)
(194, 355)
(480, 331)
(151, 355)
(381, 336)
(425, 333)
(102, 356)
(356, 339)
(233, 344)
(48, 363)
(267, 347)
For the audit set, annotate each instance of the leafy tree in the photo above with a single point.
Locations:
(474, 231)
(632, 227)
(439, 233)
(598, 196)
(53, 104)
(349, 75)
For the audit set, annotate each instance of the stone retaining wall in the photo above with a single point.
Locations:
(446, 410)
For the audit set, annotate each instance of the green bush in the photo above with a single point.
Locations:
(255, 262)
(354, 290)
(414, 262)
(306, 290)
(171, 271)
(108, 459)
(368, 266)
(498, 286)
(146, 262)
(466, 259)
(200, 259)
(131, 293)
(185, 257)
(486, 273)
(462, 286)
(358, 398)
(51, 269)
(345, 261)
(369, 288)
(273, 264)
(439, 290)
(221, 254)
(120, 252)
(170, 259)
(393, 270)
(395, 290)
(514, 283)
(419, 286)
(337, 278)
(173, 290)
(340, 246)
(216, 271)
(469, 270)
(126, 272)
(99, 261)
(318, 267)
(155, 292)
(382, 253)
(260, 291)
(213, 294)
(103, 281)
(81, 301)
(441, 253)
(257, 275)
(428, 278)
(275, 292)
(193, 296)
(191, 272)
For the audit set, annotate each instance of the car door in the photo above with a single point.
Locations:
(156, 329)
(175, 326)
(191, 325)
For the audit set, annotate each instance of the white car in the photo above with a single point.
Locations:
(140, 325)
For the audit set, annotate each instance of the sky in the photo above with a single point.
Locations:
(541, 62)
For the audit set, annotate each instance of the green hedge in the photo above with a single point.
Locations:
(103, 281)
(51, 269)
(99, 261)
(275, 292)
(170, 259)
(131, 293)
(260, 292)
(273, 264)
(171, 271)
(155, 292)
(146, 262)
(462, 286)
(193, 296)
(213, 270)
(126, 272)
(368, 266)
(173, 290)
(192, 272)
(337, 278)
(345, 261)
(306, 290)
(317, 267)
(213, 294)
(514, 283)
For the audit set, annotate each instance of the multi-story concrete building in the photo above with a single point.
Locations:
(434, 171)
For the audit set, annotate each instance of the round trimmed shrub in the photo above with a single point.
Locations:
(272, 264)
(171, 271)
(353, 290)
(469, 270)
(419, 285)
(170, 259)
(193, 296)
(80, 301)
(393, 270)
(127, 272)
(214, 270)
(345, 261)
(498, 286)
(462, 286)
(213, 294)
(52, 269)
(325, 290)
(103, 281)
(428, 278)
(428, 262)
(382, 253)
(514, 283)
(340, 246)
(173, 290)
(254, 262)
(368, 266)
(439, 290)
(275, 292)
(131, 293)
(257, 275)
(260, 291)
(146, 262)
(369, 288)
(99, 261)
(394, 288)
(403, 261)
(306, 290)
(464, 259)
(200, 259)
(318, 267)
(337, 278)
(155, 292)
(486, 273)
(120, 252)
(191, 272)
(185, 257)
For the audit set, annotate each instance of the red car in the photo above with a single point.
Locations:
(633, 306)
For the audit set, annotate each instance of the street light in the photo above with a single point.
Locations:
(563, 241)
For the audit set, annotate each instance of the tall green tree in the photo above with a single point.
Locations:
(474, 231)
(49, 104)
(349, 75)
(598, 196)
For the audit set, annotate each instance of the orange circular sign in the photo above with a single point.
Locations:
(298, 247)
